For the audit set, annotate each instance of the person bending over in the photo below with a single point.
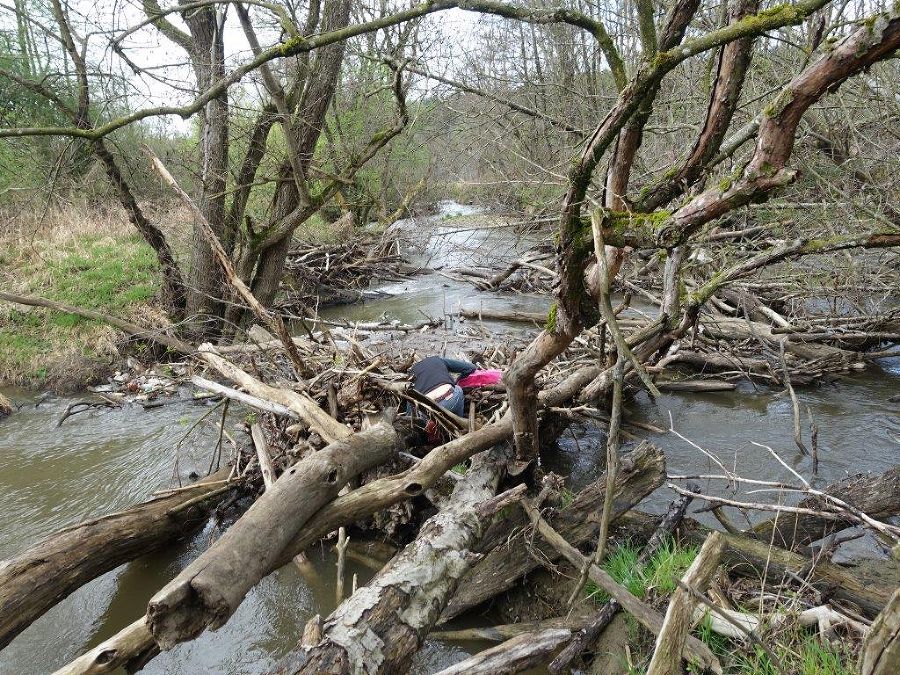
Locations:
(433, 379)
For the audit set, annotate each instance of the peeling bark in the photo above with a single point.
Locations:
(506, 545)
(380, 627)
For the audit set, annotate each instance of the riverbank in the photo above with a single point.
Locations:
(84, 257)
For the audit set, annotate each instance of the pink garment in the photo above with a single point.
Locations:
(481, 378)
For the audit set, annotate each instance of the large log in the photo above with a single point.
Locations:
(209, 590)
(131, 646)
(41, 576)
(366, 500)
(380, 627)
(742, 329)
(506, 545)
(877, 495)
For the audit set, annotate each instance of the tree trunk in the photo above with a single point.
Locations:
(208, 591)
(506, 546)
(206, 291)
(38, 578)
(381, 626)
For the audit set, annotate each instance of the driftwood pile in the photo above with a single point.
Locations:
(333, 454)
(319, 275)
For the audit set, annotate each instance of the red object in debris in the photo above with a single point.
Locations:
(481, 378)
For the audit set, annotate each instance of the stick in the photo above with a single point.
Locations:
(677, 623)
(646, 615)
(798, 438)
(612, 470)
(341, 548)
(588, 635)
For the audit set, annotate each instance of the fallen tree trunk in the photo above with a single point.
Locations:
(742, 329)
(130, 648)
(208, 591)
(41, 576)
(372, 497)
(522, 652)
(536, 318)
(875, 495)
(506, 545)
(381, 626)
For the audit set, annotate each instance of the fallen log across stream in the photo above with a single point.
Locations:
(42, 575)
(208, 591)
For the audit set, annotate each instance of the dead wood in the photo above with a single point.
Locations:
(877, 495)
(522, 652)
(534, 318)
(868, 589)
(272, 320)
(39, 577)
(5, 407)
(881, 651)
(134, 644)
(646, 615)
(587, 636)
(380, 627)
(507, 544)
(208, 591)
(676, 626)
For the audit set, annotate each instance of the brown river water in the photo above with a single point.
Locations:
(103, 461)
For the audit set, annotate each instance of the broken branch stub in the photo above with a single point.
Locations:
(209, 590)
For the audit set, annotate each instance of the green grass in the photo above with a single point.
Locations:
(658, 575)
(102, 274)
(94, 271)
(797, 648)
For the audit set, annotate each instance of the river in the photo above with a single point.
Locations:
(105, 460)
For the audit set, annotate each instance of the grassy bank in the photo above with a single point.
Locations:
(80, 256)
